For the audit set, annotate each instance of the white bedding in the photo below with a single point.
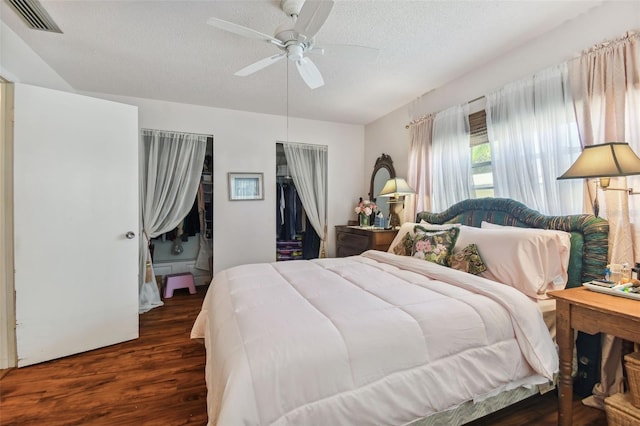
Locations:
(371, 339)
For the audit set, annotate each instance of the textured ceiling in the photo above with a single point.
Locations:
(165, 50)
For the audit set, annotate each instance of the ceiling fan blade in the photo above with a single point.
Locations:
(310, 73)
(262, 63)
(312, 16)
(349, 52)
(243, 31)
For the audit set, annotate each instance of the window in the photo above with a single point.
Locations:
(481, 171)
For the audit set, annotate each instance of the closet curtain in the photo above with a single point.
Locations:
(534, 139)
(170, 170)
(605, 82)
(418, 175)
(451, 168)
(308, 167)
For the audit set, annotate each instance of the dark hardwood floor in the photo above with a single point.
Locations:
(158, 379)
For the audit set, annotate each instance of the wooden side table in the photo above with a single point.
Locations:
(353, 240)
(591, 312)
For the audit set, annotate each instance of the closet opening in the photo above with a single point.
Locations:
(300, 201)
(188, 246)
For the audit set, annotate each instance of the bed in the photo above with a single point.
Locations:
(382, 338)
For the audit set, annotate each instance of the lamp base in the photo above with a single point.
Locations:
(396, 207)
(394, 220)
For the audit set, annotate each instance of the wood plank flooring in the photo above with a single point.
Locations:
(158, 379)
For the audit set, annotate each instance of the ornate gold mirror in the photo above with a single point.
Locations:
(382, 171)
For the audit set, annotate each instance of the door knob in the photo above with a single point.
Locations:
(130, 235)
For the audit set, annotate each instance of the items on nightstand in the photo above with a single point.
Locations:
(635, 272)
(628, 290)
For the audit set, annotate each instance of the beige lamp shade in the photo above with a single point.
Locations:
(605, 160)
(396, 187)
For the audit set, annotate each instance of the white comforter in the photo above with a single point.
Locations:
(371, 339)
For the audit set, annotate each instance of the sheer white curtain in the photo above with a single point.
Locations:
(308, 167)
(451, 164)
(418, 175)
(170, 170)
(534, 139)
(605, 85)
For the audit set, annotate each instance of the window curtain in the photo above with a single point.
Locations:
(308, 167)
(534, 139)
(605, 82)
(170, 170)
(418, 175)
(451, 165)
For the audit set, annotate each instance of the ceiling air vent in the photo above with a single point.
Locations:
(34, 15)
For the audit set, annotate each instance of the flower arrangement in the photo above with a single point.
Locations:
(365, 209)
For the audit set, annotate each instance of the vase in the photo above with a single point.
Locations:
(364, 219)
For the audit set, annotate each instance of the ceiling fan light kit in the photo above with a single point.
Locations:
(294, 38)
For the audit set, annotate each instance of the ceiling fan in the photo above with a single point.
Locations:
(295, 38)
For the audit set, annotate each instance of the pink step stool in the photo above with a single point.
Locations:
(175, 281)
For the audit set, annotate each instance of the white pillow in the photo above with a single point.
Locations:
(531, 260)
(564, 238)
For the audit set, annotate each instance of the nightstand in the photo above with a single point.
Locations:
(353, 240)
(591, 312)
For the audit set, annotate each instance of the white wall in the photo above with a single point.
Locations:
(606, 22)
(18, 63)
(388, 135)
(245, 231)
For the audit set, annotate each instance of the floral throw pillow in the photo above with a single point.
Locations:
(468, 260)
(403, 248)
(435, 246)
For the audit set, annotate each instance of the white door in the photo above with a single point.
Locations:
(75, 199)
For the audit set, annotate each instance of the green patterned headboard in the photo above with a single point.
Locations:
(589, 234)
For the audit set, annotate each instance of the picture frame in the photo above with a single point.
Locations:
(245, 186)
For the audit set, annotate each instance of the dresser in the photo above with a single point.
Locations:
(352, 240)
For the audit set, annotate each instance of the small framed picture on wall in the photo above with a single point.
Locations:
(245, 186)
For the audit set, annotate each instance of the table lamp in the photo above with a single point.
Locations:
(395, 189)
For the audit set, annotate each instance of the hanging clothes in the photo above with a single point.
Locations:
(310, 242)
(280, 205)
(290, 222)
(190, 225)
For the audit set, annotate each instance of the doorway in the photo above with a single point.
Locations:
(301, 200)
(189, 246)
